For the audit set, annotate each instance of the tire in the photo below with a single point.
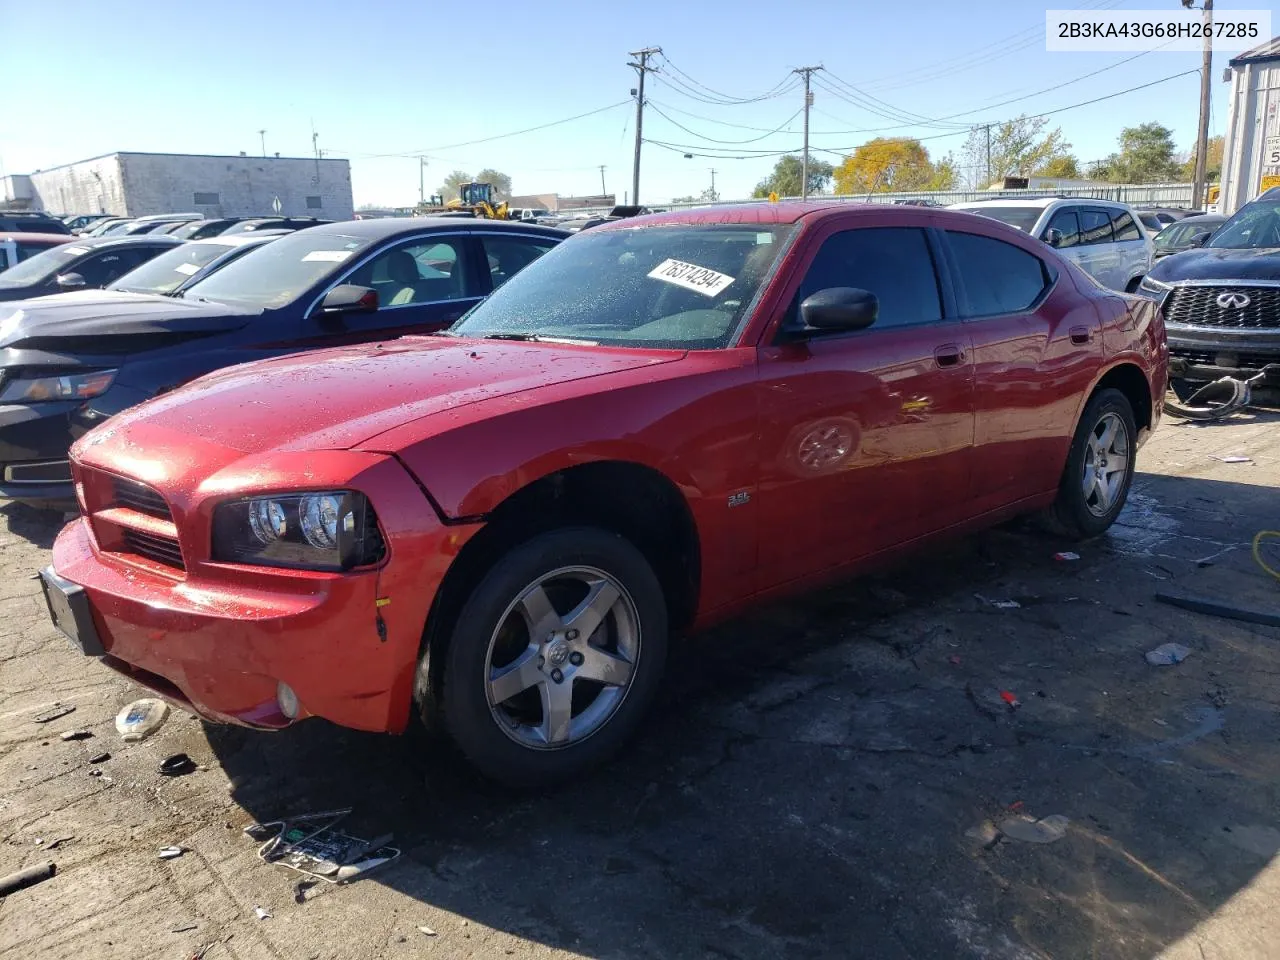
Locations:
(1081, 514)
(514, 636)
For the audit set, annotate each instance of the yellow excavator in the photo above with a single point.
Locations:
(474, 199)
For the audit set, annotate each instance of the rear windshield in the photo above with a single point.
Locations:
(281, 271)
(42, 266)
(171, 269)
(1024, 218)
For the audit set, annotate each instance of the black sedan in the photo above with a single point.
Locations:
(1222, 300)
(1186, 233)
(69, 362)
(85, 263)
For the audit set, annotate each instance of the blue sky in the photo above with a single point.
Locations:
(403, 77)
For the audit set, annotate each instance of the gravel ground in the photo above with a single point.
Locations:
(821, 779)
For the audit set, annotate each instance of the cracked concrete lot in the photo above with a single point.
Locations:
(820, 779)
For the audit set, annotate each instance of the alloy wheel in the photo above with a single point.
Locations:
(1106, 464)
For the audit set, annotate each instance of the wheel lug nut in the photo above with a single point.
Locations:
(575, 658)
(557, 676)
(571, 635)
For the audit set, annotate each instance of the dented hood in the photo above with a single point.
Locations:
(107, 321)
(337, 398)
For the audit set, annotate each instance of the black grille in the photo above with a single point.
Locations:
(160, 549)
(1242, 361)
(140, 497)
(1198, 306)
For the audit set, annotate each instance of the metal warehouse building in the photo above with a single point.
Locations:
(137, 184)
(1251, 150)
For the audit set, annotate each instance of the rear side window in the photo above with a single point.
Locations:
(1124, 227)
(1068, 223)
(894, 263)
(507, 256)
(1095, 226)
(997, 277)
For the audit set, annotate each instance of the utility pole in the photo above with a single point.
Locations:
(422, 191)
(315, 148)
(603, 191)
(713, 183)
(642, 68)
(987, 128)
(1202, 134)
(263, 135)
(806, 72)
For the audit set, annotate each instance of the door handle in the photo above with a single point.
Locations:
(948, 355)
(1081, 335)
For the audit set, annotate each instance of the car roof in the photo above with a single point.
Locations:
(783, 212)
(1201, 218)
(52, 238)
(241, 239)
(134, 240)
(393, 226)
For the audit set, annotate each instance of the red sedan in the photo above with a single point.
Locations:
(658, 423)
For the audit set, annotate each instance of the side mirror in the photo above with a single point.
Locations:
(1199, 239)
(349, 298)
(1053, 237)
(70, 281)
(839, 308)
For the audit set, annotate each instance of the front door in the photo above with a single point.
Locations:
(866, 437)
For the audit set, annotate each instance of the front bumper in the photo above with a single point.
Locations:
(1209, 353)
(34, 440)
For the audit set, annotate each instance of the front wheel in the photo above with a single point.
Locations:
(1099, 469)
(555, 657)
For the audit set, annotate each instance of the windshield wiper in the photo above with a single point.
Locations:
(541, 338)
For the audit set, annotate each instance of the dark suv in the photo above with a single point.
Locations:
(1222, 300)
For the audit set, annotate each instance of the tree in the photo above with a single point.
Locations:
(1017, 147)
(944, 176)
(1146, 156)
(785, 179)
(1213, 169)
(452, 183)
(1065, 166)
(888, 164)
(707, 196)
(501, 183)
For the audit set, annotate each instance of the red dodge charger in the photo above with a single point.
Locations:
(658, 423)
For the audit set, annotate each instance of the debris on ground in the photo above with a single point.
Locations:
(177, 765)
(1234, 459)
(27, 878)
(261, 913)
(100, 757)
(172, 852)
(427, 931)
(999, 604)
(1030, 830)
(70, 735)
(1011, 699)
(141, 718)
(55, 843)
(185, 928)
(1168, 654)
(1066, 555)
(54, 712)
(1215, 609)
(313, 845)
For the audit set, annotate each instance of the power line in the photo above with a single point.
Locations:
(698, 116)
(703, 136)
(679, 77)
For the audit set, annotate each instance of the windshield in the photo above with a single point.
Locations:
(171, 269)
(1255, 225)
(281, 271)
(1024, 218)
(42, 266)
(683, 287)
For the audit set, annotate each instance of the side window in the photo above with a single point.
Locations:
(4, 259)
(1124, 227)
(1095, 226)
(421, 272)
(997, 277)
(894, 263)
(100, 270)
(507, 256)
(1068, 223)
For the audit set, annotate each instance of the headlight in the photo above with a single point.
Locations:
(329, 530)
(1154, 286)
(76, 386)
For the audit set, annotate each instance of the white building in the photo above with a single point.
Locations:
(137, 184)
(1251, 147)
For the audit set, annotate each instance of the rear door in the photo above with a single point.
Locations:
(1133, 247)
(1097, 244)
(866, 436)
(1036, 348)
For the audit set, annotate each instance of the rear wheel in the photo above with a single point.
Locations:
(555, 657)
(1099, 469)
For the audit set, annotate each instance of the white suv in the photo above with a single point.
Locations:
(1103, 237)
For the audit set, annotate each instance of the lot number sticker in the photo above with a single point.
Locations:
(691, 276)
(187, 268)
(327, 256)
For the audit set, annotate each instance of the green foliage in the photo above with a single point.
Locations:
(1017, 147)
(1145, 156)
(785, 179)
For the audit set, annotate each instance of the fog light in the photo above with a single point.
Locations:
(287, 699)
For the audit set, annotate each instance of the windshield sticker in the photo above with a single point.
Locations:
(187, 268)
(327, 256)
(77, 250)
(691, 276)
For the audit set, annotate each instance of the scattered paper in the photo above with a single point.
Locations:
(1234, 459)
(427, 931)
(1066, 555)
(262, 914)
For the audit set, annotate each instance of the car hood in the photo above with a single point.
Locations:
(1219, 263)
(337, 398)
(109, 321)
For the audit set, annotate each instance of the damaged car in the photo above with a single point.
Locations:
(503, 526)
